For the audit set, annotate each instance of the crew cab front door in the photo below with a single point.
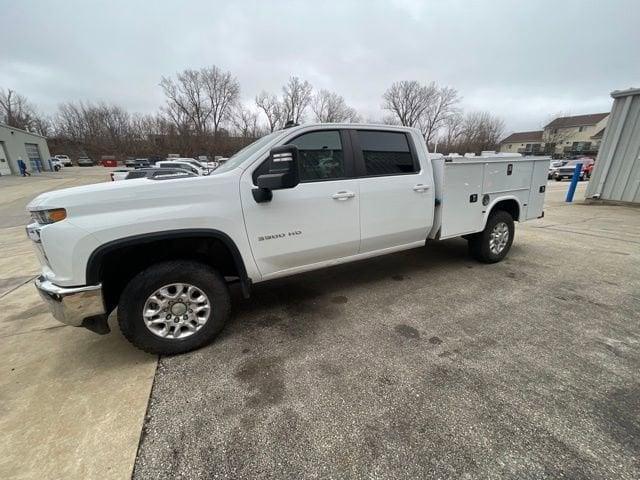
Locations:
(315, 222)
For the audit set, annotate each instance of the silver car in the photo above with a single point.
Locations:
(554, 166)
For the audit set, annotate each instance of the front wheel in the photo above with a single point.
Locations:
(174, 307)
(494, 242)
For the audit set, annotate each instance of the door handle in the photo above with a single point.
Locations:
(420, 188)
(343, 195)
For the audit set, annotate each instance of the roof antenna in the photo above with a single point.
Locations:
(290, 123)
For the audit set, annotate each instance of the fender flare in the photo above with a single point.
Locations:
(497, 200)
(94, 264)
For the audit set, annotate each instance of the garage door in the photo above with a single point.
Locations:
(33, 152)
(4, 163)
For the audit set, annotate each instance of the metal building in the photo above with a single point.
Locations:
(616, 175)
(16, 143)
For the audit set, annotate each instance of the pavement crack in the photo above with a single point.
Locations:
(17, 286)
(592, 235)
(32, 331)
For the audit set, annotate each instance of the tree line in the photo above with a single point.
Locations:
(203, 115)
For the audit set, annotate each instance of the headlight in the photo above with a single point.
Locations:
(45, 217)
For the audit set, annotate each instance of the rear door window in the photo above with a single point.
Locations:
(386, 153)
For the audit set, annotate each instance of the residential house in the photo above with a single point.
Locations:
(563, 137)
(527, 143)
(576, 135)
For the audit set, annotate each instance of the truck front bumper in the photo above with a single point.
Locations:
(76, 306)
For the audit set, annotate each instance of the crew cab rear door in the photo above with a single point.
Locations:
(313, 223)
(396, 191)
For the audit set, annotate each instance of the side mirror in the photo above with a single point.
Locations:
(282, 173)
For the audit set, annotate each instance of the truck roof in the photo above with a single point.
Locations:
(362, 126)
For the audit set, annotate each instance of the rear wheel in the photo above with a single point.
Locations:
(494, 242)
(174, 307)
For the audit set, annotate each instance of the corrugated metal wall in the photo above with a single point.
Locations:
(616, 174)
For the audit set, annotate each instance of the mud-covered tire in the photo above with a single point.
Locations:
(480, 245)
(139, 290)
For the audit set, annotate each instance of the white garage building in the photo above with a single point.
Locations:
(16, 143)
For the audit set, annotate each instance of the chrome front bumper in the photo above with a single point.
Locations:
(72, 305)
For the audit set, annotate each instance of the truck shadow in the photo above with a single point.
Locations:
(333, 284)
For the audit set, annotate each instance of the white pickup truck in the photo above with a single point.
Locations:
(163, 251)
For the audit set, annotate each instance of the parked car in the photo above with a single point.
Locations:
(66, 161)
(119, 174)
(296, 200)
(137, 163)
(56, 164)
(589, 170)
(567, 170)
(554, 166)
(85, 162)
(157, 173)
(188, 164)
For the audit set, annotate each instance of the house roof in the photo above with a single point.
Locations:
(535, 136)
(598, 135)
(577, 120)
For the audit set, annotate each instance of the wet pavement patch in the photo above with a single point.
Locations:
(339, 299)
(407, 331)
(263, 379)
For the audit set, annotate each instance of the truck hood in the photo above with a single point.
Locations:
(107, 195)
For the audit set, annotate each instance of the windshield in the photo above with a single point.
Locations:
(245, 153)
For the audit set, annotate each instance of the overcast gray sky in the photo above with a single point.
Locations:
(522, 60)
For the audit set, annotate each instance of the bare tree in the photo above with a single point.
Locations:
(272, 109)
(408, 101)
(188, 94)
(177, 116)
(16, 111)
(296, 97)
(245, 122)
(474, 132)
(453, 129)
(329, 107)
(442, 105)
(42, 125)
(223, 90)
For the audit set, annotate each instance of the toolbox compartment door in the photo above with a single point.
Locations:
(538, 189)
(461, 199)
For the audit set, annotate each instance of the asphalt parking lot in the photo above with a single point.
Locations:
(421, 364)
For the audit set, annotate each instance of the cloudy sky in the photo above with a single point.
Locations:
(522, 60)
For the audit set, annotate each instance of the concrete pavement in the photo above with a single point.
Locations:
(71, 402)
